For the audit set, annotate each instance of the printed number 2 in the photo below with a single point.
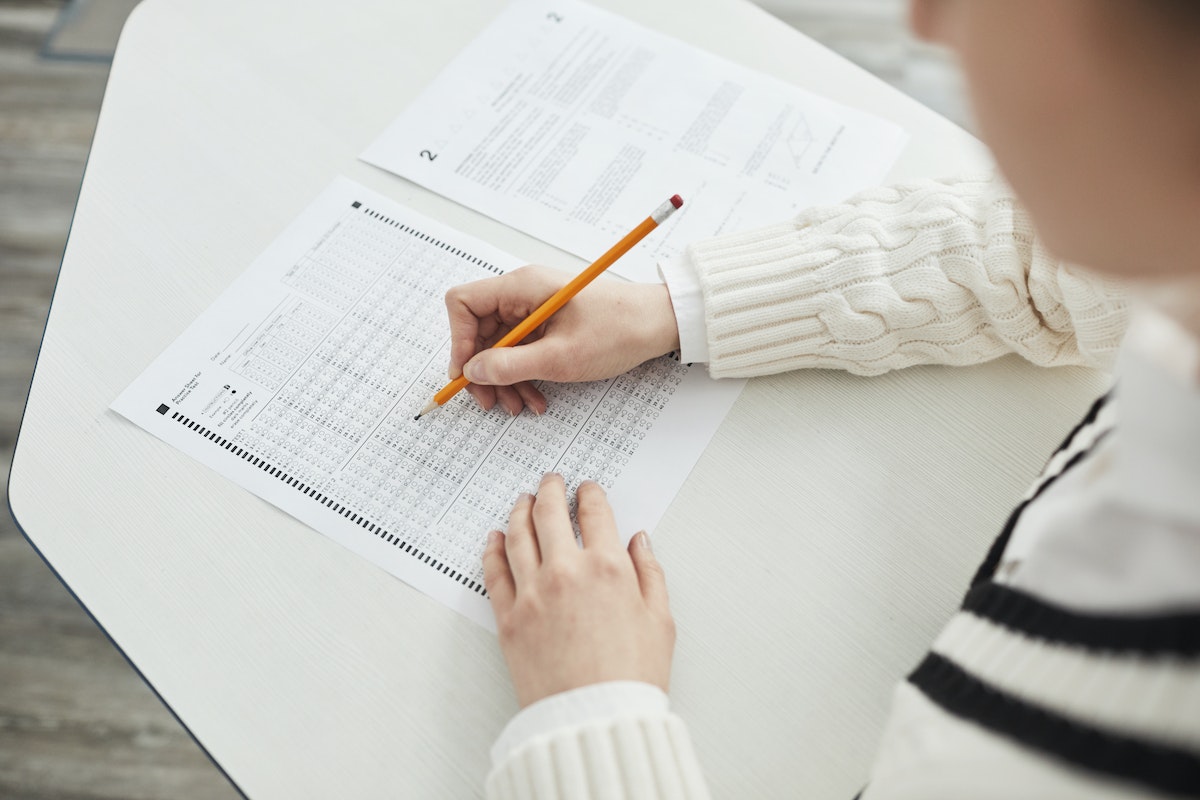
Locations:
(429, 155)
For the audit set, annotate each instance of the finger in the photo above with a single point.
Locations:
(542, 359)
(466, 306)
(525, 289)
(497, 577)
(520, 543)
(532, 397)
(552, 519)
(484, 395)
(596, 524)
(509, 400)
(651, 578)
(482, 311)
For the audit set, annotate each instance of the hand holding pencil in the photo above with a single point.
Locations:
(605, 329)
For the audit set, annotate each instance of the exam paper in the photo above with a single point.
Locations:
(300, 384)
(571, 124)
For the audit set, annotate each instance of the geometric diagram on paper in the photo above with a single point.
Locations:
(799, 140)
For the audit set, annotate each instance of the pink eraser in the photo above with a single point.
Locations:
(676, 201)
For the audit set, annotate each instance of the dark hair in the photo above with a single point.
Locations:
(1149, 24)
(1167, 12)
(1173, 12)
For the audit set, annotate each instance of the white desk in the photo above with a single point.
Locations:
(817, 547)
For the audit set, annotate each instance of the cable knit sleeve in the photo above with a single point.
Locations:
(933, 272)
(619, 758)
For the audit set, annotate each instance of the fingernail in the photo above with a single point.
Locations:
(525, 496)
(644, 541)
(475, 372)
(493, 537)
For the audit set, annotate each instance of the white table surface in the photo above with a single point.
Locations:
(824, 537)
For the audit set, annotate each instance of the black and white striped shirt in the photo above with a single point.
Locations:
(1073, 666)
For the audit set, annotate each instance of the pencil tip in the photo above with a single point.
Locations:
(432, 405)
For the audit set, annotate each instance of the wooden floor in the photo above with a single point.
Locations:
(76, 722)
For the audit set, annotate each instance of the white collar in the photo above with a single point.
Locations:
(1157, 450)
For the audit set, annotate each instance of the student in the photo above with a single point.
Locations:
(1073, 668)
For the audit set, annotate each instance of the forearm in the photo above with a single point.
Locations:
(945, 272)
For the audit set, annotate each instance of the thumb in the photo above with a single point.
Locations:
(505, 366)
(651, 578)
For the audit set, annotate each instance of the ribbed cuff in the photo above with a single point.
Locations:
(599, 701)
(626, 757)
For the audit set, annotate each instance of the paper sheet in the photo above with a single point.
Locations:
(567, 122)
(301, 381)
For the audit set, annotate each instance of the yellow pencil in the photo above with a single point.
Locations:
(560, 298)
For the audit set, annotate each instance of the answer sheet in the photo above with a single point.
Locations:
(571, 124)
(301, 381)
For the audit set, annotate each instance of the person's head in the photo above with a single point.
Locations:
(1092, 109)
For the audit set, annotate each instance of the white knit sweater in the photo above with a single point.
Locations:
(1072, 670)
(934, 272)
